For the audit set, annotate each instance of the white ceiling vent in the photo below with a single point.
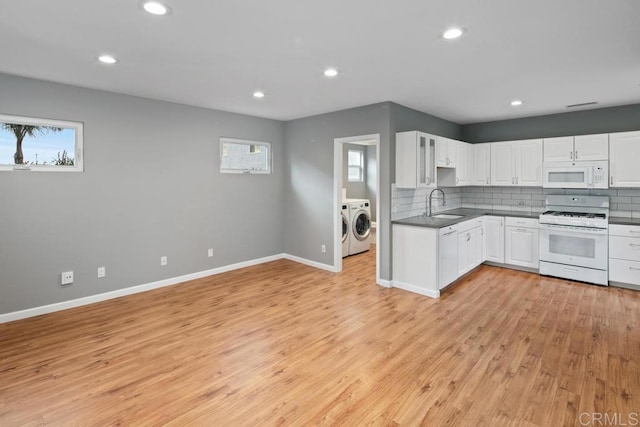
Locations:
(584, 104)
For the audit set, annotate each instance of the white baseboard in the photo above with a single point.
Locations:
(310, 263)
(64, 305)
(418, 290)
(384, 283)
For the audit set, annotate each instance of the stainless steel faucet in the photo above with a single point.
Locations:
(429, 199)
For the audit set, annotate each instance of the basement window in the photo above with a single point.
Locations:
(244, 156)
(356, 166)
(31, 144)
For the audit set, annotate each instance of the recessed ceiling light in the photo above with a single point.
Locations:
(452, 33)
(330, 72)
(258, 94)
(107, 59)
(516, 103)
(156, 8)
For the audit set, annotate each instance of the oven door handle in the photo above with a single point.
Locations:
(569, 229)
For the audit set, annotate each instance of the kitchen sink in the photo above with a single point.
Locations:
(447, 216)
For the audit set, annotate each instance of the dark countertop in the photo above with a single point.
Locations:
(467, 214)
(624, 221)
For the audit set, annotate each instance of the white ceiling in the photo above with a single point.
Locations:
(549, 53)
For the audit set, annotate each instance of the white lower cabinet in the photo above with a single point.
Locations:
(624, 254)
(427, 260)
(470, 245)
(521, 242)
(448, 253)
(494, 233)
(415, 259)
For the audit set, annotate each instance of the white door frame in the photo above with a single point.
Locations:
(337, 199)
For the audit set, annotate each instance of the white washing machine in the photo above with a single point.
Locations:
(360, 218)
(346, 229)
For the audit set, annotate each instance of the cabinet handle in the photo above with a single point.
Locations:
(451, 232)
(487, 180)
(468, 237)
(457, 180)
(634, 231)
(513, 180)
(634, 245)
(482, 231)
(516, 179)
(576, 154)
(571, 155)
(634, 268)
(611, 179)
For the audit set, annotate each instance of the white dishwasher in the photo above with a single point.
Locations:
(447, 255)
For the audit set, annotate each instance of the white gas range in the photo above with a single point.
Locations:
(574, 238)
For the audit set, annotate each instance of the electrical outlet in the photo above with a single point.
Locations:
(163, 260)
(521, 203)
(102, 271)
(324, 248)
(210, 252)
(66, 278)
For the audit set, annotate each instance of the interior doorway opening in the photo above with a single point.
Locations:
(356, 183)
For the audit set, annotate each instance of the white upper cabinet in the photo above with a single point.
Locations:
(624, 151)
(459, 175)
(415, 163)
(446, 152)
(572, 148)
(592, 147)
(480, 171)
(517, 163)
(529, 163)
(502, 163)
(462, 163)
(558, 149)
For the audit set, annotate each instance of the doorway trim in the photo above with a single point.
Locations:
(337, 199)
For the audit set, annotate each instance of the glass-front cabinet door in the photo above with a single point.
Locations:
(415, 160)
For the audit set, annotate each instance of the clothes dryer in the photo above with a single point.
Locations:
(360, 218)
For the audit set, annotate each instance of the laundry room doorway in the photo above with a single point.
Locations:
(356, 208)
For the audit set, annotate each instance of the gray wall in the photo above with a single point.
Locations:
(151, 187)
(602, 120)
(309, 185)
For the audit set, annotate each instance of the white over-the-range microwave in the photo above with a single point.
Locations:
(576, 174)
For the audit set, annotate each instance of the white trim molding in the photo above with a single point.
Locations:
(384, 283)
(64, 305)
(418, 290)
(310, 263)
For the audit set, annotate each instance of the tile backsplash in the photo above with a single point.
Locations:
(408, 202)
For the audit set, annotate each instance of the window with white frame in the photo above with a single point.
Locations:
(28, 143)
(355, 165)
(244, 156)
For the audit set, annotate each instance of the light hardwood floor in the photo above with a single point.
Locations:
(286, 344)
